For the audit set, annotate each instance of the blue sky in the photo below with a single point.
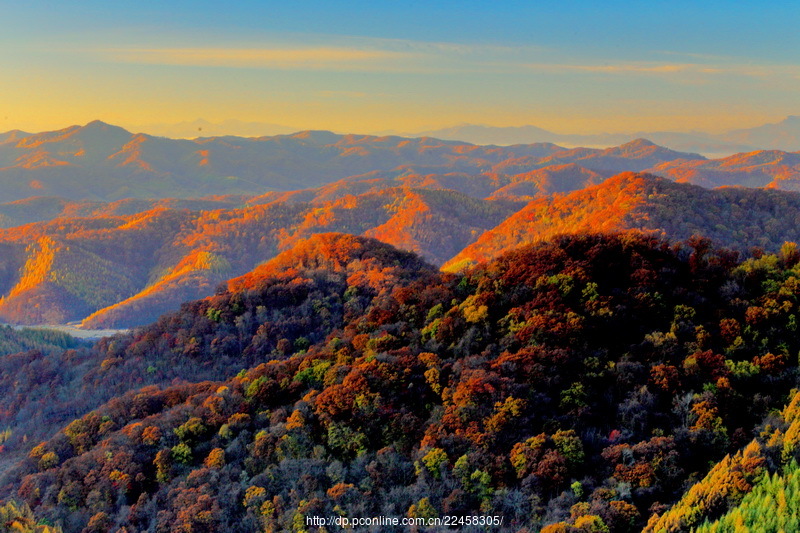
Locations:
(407, 66)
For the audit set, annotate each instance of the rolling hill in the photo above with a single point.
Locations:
(44, 208)
(115, 270)
(765, 168)
(501, 184)
(124, 270)
(735, 217)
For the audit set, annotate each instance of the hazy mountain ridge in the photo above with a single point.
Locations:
(100, 162)
(784, 135)
(204, 128)
(103, 162)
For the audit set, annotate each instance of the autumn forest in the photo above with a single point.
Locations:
(573, 339)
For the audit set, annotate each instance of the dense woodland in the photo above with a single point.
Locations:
(13, 341)
(586, 383)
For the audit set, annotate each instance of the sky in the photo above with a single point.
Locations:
(401, 66)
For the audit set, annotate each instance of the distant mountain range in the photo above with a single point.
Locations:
(204, 128)
(101, 162)
(784, 135)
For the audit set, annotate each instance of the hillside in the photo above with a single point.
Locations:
(112, 271)
(45, 208)
(61, 271)
(734, 217)
(511, 180)
(546, 181)
(22, 340)
(765, 168)
(45, 386)
(587, 379)
(752, 490)
(481, 185)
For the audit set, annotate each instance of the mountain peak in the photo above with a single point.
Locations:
(316, 136)
(337, 252)
(13, 136)
(641, 142)
(99, 125)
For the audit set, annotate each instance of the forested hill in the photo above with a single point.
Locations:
(127, 270)
(45, 387)
(585, 380)
(123, 270)
(734, 217)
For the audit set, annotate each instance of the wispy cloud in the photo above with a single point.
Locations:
(334, 53)
(634, 68)
(743, 70)
(407, 56)
(619, 68)
(318, 58)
